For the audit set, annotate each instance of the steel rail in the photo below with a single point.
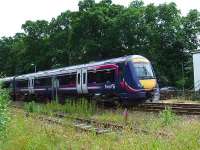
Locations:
(178, 108)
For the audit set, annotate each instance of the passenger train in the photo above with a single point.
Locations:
(128, 79)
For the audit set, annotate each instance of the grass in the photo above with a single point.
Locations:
(29, 133)
(165, 131)
(79, 107)
(187, 97)
(179, 100)
(167, 116)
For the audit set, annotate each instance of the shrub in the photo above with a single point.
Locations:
(4, 115)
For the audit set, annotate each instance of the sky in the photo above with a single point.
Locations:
(13, 13)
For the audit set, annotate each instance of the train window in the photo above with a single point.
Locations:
(109, 75)
(101, 76)
(84, 78)
(42, 82)
(91, 77)
(22, 83)
(68, 79)
(79, 78)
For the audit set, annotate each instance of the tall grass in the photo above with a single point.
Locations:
(167, 116)
(31, 133)
(81, 107)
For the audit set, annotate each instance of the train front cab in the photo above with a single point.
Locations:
(137, 82)
(146, 76)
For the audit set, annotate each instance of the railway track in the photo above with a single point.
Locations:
(99, 127)
(83, 124)
(178, 108)
(79, 123)
(91, 125)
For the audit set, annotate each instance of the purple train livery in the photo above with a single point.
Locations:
(127, 79)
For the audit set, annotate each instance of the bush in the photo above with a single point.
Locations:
(4, 115)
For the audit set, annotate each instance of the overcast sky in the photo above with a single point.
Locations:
(13, 13)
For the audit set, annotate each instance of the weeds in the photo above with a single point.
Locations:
(80, 106)
(31, 133)
(74, 107)
(167, 116)
(31, 107)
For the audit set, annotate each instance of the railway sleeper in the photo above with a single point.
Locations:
(90, 128)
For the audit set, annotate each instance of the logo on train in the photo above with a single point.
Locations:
(111, 86)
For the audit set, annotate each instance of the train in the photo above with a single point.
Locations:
(128, 79)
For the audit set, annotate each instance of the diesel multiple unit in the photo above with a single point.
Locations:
(129, 79)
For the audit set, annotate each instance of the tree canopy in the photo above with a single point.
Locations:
(105, 30)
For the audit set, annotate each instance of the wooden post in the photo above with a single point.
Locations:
(125, 115)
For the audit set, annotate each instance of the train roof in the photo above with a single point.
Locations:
(72, 68)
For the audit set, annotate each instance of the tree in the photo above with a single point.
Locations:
(105, 30)
(37, 44)
(85, 4)
(58, 41)
(136, 4)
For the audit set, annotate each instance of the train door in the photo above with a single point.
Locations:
(78, 81)
(84, 81)
(31, 85)
(55, 86)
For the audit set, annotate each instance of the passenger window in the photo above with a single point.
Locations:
(22, 83)
(42, 82)
(68, 79)
(101, 76)
(91, 77)
(79, 78)
(84, 78)
(109, 75)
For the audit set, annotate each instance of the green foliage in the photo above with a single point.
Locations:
(85, 4)
(180, 83)
(32, 107)
(102, 30)
(137, 3)
(167, 116)
(4, 115)
(194, 96)
(79, 107)
(30, 133)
